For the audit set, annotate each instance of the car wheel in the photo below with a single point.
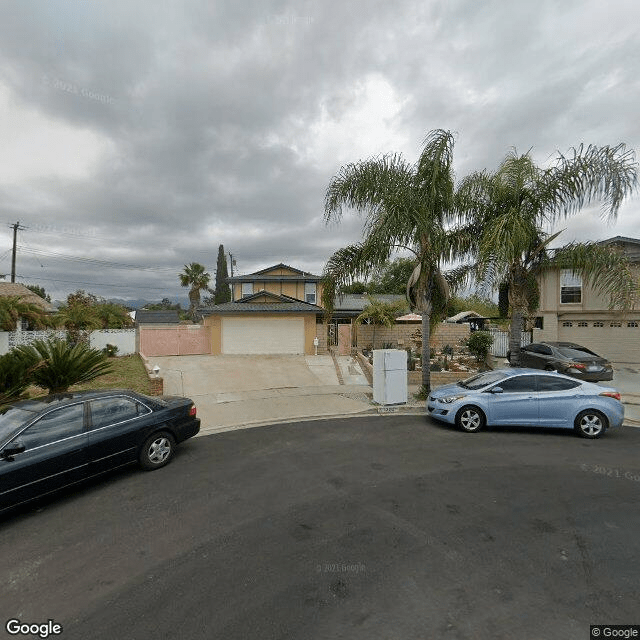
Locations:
(157, 451)
(470, 419)
(590, 423)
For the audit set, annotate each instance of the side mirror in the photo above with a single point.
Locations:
(13, 448)
(496, 390)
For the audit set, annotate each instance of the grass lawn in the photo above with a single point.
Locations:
(128, 373)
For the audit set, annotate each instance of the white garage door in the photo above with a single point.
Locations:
(262, 335)
(619, 341)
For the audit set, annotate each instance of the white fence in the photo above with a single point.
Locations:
(500, 344)
(124, 339)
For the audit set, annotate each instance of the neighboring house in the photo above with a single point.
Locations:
(573, 312)
(11, 289)
(274, 311)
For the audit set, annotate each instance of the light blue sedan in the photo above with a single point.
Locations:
(527, 397)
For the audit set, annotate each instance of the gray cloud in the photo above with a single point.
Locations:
(223, 122)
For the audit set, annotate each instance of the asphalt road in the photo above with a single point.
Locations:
(377, 527)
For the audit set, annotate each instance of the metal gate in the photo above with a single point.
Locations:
(500, 344)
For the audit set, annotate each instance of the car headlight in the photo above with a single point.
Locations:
(450, 399)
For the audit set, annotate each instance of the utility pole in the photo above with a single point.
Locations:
(231, 262)
(15, 227)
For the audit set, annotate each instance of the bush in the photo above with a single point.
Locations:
(436, 366)
(447, 349)
(479, 343)
(62, 365)
(110, 350)
(15, 375)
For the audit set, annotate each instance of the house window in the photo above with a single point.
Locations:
(583, 324)
(247, 289)
(598, 324)
(567, 324)
(615, 324)
(570, 286)
(633, 323)
(310, 292)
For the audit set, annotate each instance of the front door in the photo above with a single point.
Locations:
(344, 339)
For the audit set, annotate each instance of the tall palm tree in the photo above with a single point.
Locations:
(508, 210)
(195, 277)
(406, 207)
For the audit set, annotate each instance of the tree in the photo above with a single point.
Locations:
(222, 292)
(39, 291)
(406, 207)
(63, 365)
(113, 315)
(195, 277)
(509, 208)
(393, 277)
(79, 316)
(13, 308)
(380, 313)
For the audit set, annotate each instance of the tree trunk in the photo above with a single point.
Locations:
(515, 337)
(426, 349)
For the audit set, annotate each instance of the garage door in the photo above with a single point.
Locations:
(619, 341)
(262, 335)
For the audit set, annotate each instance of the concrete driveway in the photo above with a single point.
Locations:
(237, 391)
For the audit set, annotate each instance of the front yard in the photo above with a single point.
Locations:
(128, 373)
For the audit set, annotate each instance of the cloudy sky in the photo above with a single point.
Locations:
(138, 136)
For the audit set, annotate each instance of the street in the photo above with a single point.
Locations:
(375, 527)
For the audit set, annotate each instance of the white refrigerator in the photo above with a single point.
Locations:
(390, 376)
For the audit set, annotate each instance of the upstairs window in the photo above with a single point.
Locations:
(570, 286)
(247, 289)
(310, 292)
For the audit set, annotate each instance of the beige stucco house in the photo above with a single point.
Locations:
(273, 311)
(573, 312)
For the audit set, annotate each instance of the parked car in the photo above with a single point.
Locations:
(527, 397)
(53, 442)
(565, 357)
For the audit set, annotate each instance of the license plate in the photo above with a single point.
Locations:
(593, 367)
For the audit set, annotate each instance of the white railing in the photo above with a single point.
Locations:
(500, 344)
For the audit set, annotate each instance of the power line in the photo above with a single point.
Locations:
(95, 284)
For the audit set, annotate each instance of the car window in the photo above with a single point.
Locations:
(55, 425)
(115, 409)
(575, 353)
(552, 383)
(518, 384)
(481, 380)
(11, 419)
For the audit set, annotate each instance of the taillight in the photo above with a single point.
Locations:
(610, 394)
(192, 411)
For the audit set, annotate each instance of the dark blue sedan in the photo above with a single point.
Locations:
(527, 397)
(53, 442)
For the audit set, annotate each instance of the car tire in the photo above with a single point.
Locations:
(590, 424)
(157, 451)
(470, 419)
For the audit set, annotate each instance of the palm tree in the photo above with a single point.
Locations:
(197, 278)
(380, 313)
(507, 211)
(13, 308)
(62, 365)
(406, 207)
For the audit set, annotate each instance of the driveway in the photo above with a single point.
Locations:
(364, 528)
(236, 391)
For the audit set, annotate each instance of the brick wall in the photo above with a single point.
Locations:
(400, 335)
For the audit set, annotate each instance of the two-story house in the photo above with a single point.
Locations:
(273, 311)
(571, 311)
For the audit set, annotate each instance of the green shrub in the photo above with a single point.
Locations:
(479, 343)
(436, 366)
(448, 349)
(15, 375)
(110, 350)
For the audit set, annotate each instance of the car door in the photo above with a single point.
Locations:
(55, 456)
(117, 426)
(517, 404)
(557, 400)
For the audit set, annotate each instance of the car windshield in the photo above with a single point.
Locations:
(11, 419)
(482, 380)
(570, 352)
